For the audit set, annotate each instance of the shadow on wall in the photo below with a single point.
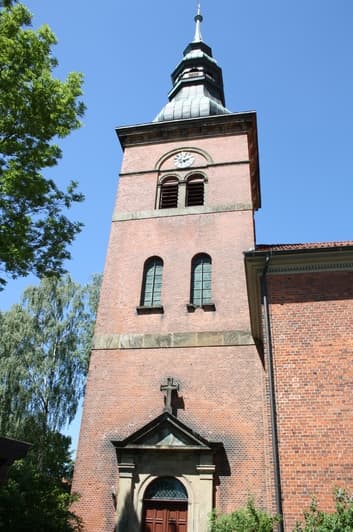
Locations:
(127, 518)
(222, 469)
(309, 287)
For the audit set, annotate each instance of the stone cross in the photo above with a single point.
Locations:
(169, 388)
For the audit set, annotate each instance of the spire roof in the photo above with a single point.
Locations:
(197, 82)
(198, 19)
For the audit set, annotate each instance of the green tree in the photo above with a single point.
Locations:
(35, 110)
(39, 500)
(7, 3)
(247, 519)
(339, 521)
(44, 350)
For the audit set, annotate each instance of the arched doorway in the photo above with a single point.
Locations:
(165, 506)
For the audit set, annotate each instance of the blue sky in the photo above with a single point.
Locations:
(291, 61)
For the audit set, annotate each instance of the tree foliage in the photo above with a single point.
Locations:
(7, 3)
(250, 519)
(35, 110)
(247, 519)
(39, 499)
(339, 521)
(44, 350)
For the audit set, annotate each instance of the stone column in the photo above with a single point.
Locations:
(126, 518)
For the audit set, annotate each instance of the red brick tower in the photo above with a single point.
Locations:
(174, 419)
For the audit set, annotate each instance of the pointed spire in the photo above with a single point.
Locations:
(198, 19)
(197, 82)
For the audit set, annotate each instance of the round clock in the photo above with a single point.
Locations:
(183, 159)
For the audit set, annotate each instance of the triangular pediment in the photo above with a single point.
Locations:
(165, 432)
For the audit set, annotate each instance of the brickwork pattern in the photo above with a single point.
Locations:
(312, 323)
(176, 240)
(222, 392)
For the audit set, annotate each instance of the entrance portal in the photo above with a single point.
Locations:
(165, 506)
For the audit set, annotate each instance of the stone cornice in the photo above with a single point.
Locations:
(163, 213)
(175, 340)
(192, 128)
(303, 260)
(194, 169)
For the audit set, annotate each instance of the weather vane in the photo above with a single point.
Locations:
(198, 19)
(199, 7)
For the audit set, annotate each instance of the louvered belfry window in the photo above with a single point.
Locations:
(169, 194)
(152, 282)
(201, 271)
(195, 191)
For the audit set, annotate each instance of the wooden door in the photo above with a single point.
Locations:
(165, 516)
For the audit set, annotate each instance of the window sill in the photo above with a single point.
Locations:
(158, 309)
(206, 307)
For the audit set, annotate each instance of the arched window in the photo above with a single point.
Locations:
(195, 190)
(166, 489)
(201, 270)
(152, 282)
(168, 198)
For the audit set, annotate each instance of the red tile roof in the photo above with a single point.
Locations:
(306, 246)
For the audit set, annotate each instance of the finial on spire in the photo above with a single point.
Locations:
(198, 19)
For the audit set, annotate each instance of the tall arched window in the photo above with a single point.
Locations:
(201, 271)
(152, 282)
(168, 198)
(195, 191)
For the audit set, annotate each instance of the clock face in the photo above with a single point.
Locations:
(183, 159)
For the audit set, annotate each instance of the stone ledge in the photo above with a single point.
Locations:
(176, 339)
(180, 211)
(157, 309)
(206, 307)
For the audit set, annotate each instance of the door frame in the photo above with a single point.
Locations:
(165, 447)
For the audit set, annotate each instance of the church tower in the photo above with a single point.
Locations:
(174, 419)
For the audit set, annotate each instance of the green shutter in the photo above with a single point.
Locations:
(152, 286)
(201, 280)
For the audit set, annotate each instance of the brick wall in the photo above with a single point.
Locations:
(312, 323)
(176, 240)
(222, 392)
